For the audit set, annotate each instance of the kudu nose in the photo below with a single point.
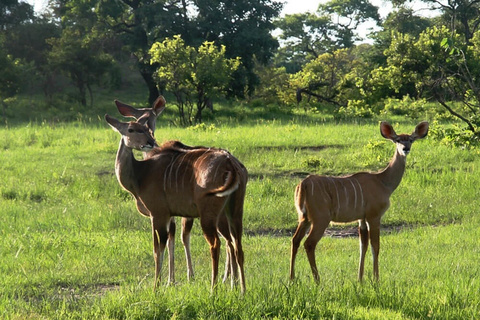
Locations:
(152, 143)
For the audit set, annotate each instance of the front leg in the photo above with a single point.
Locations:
(171, 250)
(160, 237)
(374, 228)
(363, 235)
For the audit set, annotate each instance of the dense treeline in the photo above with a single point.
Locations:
(200, 50)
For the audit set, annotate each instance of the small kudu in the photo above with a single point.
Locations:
(172, 181)
(362, 196)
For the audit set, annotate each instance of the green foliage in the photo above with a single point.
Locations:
(273, 86)
(455, 135)
(9, 79)
(412, 108)
(332, 78)
(306, 36)
(354, 109)
(81, 59)
(14, 13)
(435, 65)
(194, 76)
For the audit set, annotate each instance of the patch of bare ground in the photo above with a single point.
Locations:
(96, 290)
(333, 231)
(297, 148)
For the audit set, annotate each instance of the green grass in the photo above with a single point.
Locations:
(73, 245)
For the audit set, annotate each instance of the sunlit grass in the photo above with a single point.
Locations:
(73, 245)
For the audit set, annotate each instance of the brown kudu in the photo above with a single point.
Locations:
(172, 181)
(362, 196)
(149, 116)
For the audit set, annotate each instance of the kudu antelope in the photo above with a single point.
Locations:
(362, 196)
(172, 181)
(149, 116)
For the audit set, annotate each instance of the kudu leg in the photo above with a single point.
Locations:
(187, 224)
(231, 267)
(363, 235)
(211, 235)
(160, 237)
(375, 242)
(316, 232)
(171, 250)
(236, 255)
(296, 240)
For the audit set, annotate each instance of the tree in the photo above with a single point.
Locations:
(330, 78)
(14, 13)
(9, 79)
(306, 36)
(462, 16)
(81, 59)
(349, 14)
(139, 24)
(194, 76)
(244, 27)
(439, 65)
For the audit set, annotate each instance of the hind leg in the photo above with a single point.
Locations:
(187, 224)
(316, 232)
(231, 267)
(301, 231)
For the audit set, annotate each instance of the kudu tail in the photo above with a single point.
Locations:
(300, 193)
(232, 181)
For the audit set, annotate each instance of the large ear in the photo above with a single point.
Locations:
(115, 124)
(387, 131)
(421, 130)
(127, 110)
(159, 105)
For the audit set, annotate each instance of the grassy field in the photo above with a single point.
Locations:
(73, 246)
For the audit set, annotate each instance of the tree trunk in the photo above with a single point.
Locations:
(147, 76)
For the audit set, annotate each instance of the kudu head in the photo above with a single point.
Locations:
(135, 135)
(146, 116)
(404, 141)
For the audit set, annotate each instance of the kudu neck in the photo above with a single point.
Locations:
(125, 167)
(392, 175)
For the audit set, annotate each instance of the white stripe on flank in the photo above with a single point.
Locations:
(176, 173)
(336, 190)
(171, 169)
(361, 190)
(165, 174)
(313, 187)
(355, 190)
(345, 191)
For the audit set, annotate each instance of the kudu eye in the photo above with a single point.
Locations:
(130, 130)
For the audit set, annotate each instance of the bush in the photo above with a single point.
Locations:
(354, 109)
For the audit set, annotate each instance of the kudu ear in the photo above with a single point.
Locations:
(421, 130)
(115, 124)
(387, 131)
(127, 110)
(159, 105)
